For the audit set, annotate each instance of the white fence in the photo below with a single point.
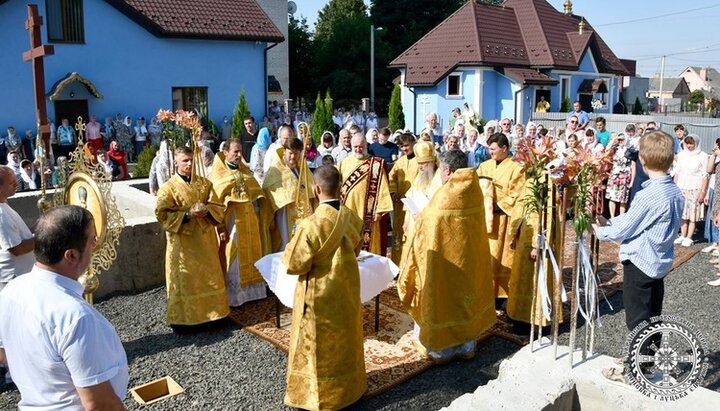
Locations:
(706, 127)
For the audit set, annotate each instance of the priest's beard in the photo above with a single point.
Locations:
(360, 156)
(425, 178)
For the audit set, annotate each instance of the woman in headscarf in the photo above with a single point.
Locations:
(28, 179)
(531, 130)
(257, 154)
(118, 156)
(125, 133)
(691, 178)
(327, 144)
(371, 136)
(162, 167)
(155, 131)
(314, 160)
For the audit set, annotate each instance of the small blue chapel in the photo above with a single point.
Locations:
(502, 60)
(135, 57)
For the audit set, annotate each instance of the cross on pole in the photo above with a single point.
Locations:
(35, 54)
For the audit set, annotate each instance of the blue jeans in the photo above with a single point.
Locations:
(711, 231)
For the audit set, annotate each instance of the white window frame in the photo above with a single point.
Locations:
(460, 86)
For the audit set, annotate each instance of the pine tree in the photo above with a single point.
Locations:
(566, 105)
(395, 110)
(242, 110)
(624, 104)
(319, 119)
(637, 108)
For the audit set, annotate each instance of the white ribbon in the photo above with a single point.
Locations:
(547, 252)
(590, 284)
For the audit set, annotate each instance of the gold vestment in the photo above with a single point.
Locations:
(240, 193)
(400, 178)
(195, 283)
(356, 198)
(280, 187)
(326, 363)
(445, 284)
(508, 180)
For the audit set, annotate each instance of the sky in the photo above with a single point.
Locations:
(641, 30)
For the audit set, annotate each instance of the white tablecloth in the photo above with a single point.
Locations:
(376, 273)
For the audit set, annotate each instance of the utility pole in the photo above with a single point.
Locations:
(662, 77)
(372, 67)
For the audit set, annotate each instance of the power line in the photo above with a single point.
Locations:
(656, 17)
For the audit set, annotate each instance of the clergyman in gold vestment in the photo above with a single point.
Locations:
(508, 180)
(445, 284)
(358, 192)
(281, 189)
(400, 178)
(189, 211)
(247, 221)
(326, 364)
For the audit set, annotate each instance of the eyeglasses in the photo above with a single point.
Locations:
(573, 122)
(504, 124)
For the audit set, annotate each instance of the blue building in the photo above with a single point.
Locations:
(136, 56)
(502, 60)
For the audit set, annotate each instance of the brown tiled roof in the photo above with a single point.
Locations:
(208, 19)
(530, 76)
(520, 33)
(630, 66)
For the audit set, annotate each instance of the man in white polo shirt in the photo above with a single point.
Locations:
(16, 240)
(63, 354)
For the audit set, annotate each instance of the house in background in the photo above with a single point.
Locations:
(705, 79)
(502, 59)
(136, 56)
(670, 95)
(634, 87)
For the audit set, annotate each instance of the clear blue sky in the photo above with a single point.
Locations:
(680, 30)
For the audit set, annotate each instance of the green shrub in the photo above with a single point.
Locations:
(396, 120)
(144, 161)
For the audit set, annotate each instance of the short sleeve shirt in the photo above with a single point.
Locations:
(56, 341)
(13, 231)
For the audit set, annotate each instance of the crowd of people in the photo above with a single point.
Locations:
(452, 200)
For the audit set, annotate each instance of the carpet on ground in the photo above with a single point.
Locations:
(390, 357)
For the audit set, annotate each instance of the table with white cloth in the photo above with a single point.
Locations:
(376, 273)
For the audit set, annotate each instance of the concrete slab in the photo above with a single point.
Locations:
(536, 381)
(141, 252)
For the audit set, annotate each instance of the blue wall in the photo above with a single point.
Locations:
(134, 70)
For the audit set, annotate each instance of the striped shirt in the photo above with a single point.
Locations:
(648, 229)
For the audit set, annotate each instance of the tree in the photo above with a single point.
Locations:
(322, 119)
(695, 99)
(300, 58)
(242, 110)
(623, 103)
(637, 107)
(566, 105)
(342, 49)
(395, 110)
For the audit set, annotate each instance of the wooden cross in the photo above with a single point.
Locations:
(36, 53)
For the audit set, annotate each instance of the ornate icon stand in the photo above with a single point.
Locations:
(83, 182)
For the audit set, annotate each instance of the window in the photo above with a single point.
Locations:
(454, 85)
(65, 22)
(564, 87)
(191, 99)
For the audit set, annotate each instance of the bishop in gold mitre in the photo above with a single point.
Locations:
(326, 363)
(508, 181)
(400, 178)
(247, 221)
(444, 283)
(289, 188)
(189, 210)
(366, 191)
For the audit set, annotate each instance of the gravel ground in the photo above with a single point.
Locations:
(229, 369)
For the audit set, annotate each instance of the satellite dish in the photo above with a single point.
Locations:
(292, 7)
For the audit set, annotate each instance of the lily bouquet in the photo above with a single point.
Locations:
(180, 127)
(586, 171)
(534, 154)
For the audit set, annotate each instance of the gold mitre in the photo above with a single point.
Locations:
(424, 151)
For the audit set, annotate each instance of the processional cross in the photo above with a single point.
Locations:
(36, 53)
